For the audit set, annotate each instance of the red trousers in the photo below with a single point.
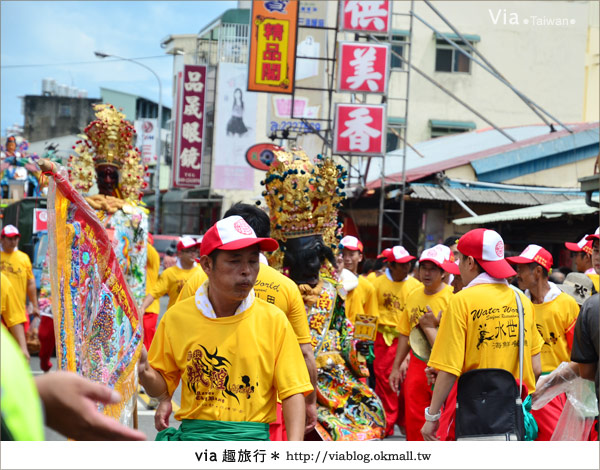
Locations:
(548, 416)
(393, 404)
(47, 342)
(277, 429)
(448, 418)
(150, 320)
(418, 397)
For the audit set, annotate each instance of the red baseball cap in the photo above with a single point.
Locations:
(384, 254)
(233, 233)
(398, 254)
(185, 243)
(582, 245)
(352, 243)
(487, 247)
(594, 236)
(533, 254)
(440, 255)
(10, 231)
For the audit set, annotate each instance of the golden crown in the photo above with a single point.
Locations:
(303, 197)
(108, 141)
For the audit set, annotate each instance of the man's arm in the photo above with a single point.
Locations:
(146, 303)
(311, 399)
(588, 371)
(294, 415)
(443, 385)
(401, 353)
(18, 332)
(536, 362)
(32, 294)
(152, 381)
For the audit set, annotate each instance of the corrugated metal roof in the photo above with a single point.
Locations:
(546, 211)
(490, 196)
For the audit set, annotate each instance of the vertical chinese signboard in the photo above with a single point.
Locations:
(365, 16)
(359, 129)
(272, 46)
(363, 67)
(189, 126)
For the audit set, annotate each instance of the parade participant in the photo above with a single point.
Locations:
(172, 279)
(303, 199)
(380, 265)
(13, 313)
(392, 290)
(152, 311)
(17, 267)
(430, 298)
(581, 252)
(363, 299)
(232, 352)
(279, 290)
(473, 333)
(595, 276)
(454, 280)
(555, 314)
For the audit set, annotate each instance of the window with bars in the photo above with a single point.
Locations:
(450, 59)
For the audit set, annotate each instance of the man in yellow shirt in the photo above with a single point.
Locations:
(582, 257)
(480, 328)
(279, 290)
(17, 267)
(172, 279)
(13, 313)
(152, 311)
(233, 353)
(555, 313)
(432, 297)
(392, 288)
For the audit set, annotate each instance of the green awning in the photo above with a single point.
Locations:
(395, 121)
(452, 124)
(237, 16)
(455, 37)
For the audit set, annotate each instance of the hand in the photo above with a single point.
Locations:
(431, 375)
(70, 402)
(429, 430)
(163, 412)
(311, 417)
(404, 367)
(429, 320)
(35, 310)
(395, 379)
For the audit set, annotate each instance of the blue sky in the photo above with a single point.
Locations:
(44, 32)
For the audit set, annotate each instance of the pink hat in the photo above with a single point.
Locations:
(594, 236)
(10, 231)
(533, 254)
(398, 254)
(487, 247)
(185, 243)
(582, 245)
(442, 257)
(233, 233)
(384, 254)
(351, 243)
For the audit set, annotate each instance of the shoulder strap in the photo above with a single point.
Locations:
(521, 340)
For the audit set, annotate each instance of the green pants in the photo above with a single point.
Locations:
(201, 430)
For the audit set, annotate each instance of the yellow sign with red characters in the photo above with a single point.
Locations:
(273, 46)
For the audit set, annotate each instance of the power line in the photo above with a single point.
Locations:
(81, 63)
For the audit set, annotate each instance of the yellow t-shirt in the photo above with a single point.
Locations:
(480, 330)
(391, 298)
(272, 287)
(171, 281)
(152, 267)
(231, 368)
(361, 300)
(555, 321)
(416, 307)
(17, 267)
(595, 280)
(13, 310)
(371, 277)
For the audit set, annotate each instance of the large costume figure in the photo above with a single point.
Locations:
(19, 176)
(303, 200)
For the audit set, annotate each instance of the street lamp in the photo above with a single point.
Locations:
(102, 55)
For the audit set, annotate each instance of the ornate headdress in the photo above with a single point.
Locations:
(108, 141)
(303, 197)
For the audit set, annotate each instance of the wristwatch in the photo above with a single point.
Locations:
(434, 417)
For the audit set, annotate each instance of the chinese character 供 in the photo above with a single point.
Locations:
(364, 71)
(191, 132)
(364, 12)
(358, 131)
(272, 52)
(274, 32)
(271, 71)
(192, 108)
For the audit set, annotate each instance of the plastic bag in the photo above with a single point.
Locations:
(581, 408)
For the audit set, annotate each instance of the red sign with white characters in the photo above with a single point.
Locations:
(40, 220)
(371, 16)
(359, 129)
(363, 67)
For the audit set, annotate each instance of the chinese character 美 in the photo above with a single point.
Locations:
(271, 71)
(363, 69)
(363, 13)
(358, 130)
(274, 32)
(191, 132)
(192, 108)
(272, 51)
(189, 159)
